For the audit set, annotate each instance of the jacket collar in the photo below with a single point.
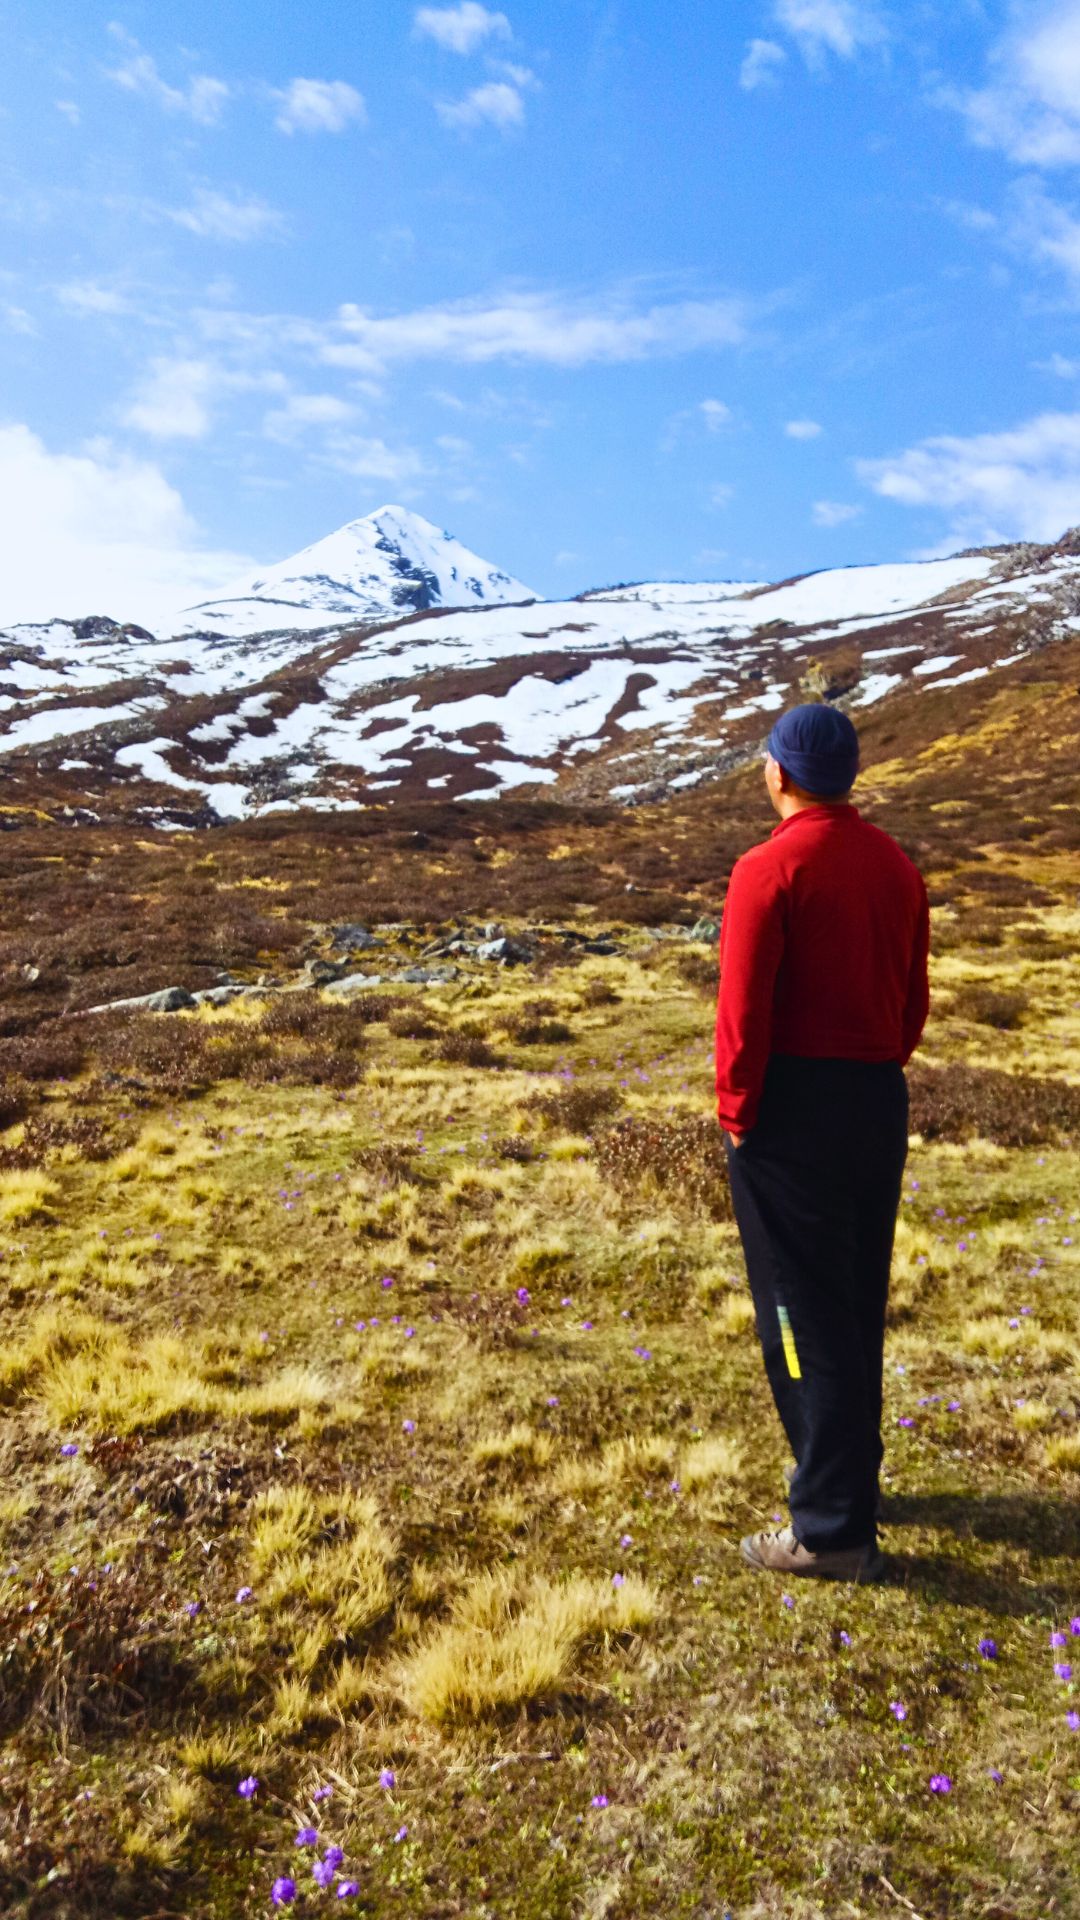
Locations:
(819, 811)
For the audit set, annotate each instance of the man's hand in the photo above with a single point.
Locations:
(736, 1138)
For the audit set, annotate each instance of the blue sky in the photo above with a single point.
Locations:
(612, 291)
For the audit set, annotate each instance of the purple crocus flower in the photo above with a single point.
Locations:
(322, 1793)
(988, 1649)
(69, 1447)
(1072, 1721)
(283, 1891)
(995, 1774)
(617, 1579)
(322, 1874)
(940, 1783)
(243, 1593)
(347, 1888)
(1063, 1669)
(898, 1708)
(905, 1420)
(333, 1857)
(248, 1788)
(307, 1837)
(523, 1295)
(387, 1777)
(401, 1833)
(1057, 1638)
(599, 1800)
(193, 1607)
(1074, 1623)
(408, 1426)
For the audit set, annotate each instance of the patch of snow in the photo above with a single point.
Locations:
(957, 679)
(938, 664)
(875, 686)
(883, 653)
(230, 801)
(50, 723)
(846, 591)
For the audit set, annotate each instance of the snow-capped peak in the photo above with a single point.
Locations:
(389, 563)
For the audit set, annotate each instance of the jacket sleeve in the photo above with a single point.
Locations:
(752, 935)
(917, 1005)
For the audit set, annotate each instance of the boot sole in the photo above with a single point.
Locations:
(870, 1570)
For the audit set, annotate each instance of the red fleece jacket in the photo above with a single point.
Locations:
(823, 950)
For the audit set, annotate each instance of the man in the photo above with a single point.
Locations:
(823, 997)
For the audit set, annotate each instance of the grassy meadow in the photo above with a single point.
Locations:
(380, 1411)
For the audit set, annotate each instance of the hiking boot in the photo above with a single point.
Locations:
(879, 1503)
(780, 1552)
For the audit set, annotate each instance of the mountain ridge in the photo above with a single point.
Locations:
(391, 560)
(626, 693)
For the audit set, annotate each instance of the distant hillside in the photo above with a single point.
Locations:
(631, 694)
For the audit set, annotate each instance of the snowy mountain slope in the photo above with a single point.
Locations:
(390, 562)
(626, 694)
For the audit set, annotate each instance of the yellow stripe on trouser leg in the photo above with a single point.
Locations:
(788, 1338)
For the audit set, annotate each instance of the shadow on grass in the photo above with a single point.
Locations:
(1036, 1528)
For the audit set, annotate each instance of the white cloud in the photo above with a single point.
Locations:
(96, 532)
(541, 327)
(1045, 230)
(303, 411)
(1030, 108)
(802, 429)
(834, 513)
(461, 29)
(1061, 368)
(17, 319)
(372, 459)
(758, 69)
(222, 216)
(497, 103)
(319, 106)
(173, 397)
(714, 415)
(1021, 484)
(86, 296)
(834, 26)
(69, 109)
(171, 401)
(722, 494)
(977, 219)
(203, 98)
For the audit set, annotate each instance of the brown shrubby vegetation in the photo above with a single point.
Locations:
(577, 1108)
(56, 1052)
(989, 1006)
(466, 1049)
(684, 1158)
(80, 1650)
(961, 1102)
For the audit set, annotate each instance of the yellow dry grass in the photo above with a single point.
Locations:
(513, 1638)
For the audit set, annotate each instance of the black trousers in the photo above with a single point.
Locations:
(816, 1189)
